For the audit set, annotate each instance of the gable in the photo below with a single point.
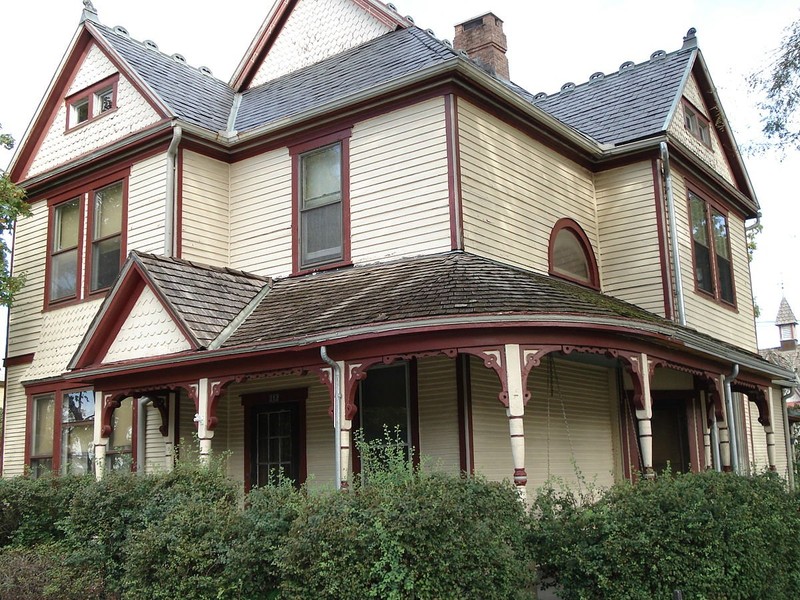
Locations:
(713, 153)
(61, 140)
(315, 30)
(148, 330)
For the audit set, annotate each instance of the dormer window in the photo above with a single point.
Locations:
(571, 256)
(696, 124)
(92, 102)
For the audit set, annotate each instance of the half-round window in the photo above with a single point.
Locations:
(571, 255)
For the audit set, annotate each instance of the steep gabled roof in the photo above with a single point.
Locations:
(376, 62)
(634, 103)
(785, 314)
(192, 95)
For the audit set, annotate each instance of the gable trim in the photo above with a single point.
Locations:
(676, 101)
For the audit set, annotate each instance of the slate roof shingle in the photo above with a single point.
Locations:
(624, 106)
(207, 298)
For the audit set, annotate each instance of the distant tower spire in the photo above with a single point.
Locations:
(786, 322)
(89, 12)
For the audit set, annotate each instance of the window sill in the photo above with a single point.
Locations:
(718, 301)
(91, 120)
(325, 267)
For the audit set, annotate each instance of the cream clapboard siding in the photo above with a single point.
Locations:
(154, 444)
(205, 210)
(514, 190)
(261, 214)
(399, 203)
(133, 113)
(16, 404)
(628, 231)
(315, 30)
(30, 250)
(782, 464)
(552, 442)
(714, 156)
(438, 414)
(733, 326)
(570, 432)
(187, 430)
(146, 205)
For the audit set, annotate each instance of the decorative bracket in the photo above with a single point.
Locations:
(493, 359)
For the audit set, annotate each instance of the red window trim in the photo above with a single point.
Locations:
(85, 193)
(710, 204)
(687, 105)
(572, 226)
(296, 151)
(89, 94)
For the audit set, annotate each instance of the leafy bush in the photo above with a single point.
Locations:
(711, 535)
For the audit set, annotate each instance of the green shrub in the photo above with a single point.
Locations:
(710, 535)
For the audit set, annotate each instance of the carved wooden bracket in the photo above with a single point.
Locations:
(111, 402)
(493, 359)
(532, 357)
(162, 406)
(710, 383)
(633, 365)
(757, 396)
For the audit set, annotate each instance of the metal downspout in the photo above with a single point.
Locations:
(171, 192)
(733, 428)
(337, 413)
(673, 234)
(715, 442)
(787, 435)
(141, 432)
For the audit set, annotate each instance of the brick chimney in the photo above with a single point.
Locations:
(485, 43)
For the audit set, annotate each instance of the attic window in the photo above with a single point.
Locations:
(696, 124)
(92, 102)
(571, 256)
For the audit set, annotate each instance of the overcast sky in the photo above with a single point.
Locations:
(549, 43)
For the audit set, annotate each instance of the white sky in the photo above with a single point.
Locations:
(549, 44)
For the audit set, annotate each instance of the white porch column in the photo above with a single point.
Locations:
(645, 416)
(203, 433)
(169, 439)
(706, 432)
(515, 413)
(346, 431)
(100, 443)
(724, 434)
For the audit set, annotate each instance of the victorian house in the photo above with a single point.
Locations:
(369, 227)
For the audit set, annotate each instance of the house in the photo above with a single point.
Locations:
(368, 227)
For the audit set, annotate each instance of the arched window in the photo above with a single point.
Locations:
(571, 256)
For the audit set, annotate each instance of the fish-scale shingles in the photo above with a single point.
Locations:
(207, 298)
(442, 285)
(624, 106)
(371, 64)
(194, 96)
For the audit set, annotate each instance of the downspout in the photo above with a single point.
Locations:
(715, 441)
(337, 413)
(673, 234)
(141, 432)
(733, 426)
(787, 434)
(171, 191)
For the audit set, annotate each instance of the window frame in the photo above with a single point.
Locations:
(30, 441)
(91, 97)
(696, 123)
(297, 152)
(710, 207)
(588, 251)
(86, 214)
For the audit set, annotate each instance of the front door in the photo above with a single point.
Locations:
(275, 439)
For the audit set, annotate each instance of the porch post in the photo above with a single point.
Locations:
(169, 439)
(724, 433)
(204, 434)
(515, 413)
(100, 442)
(706, 432)
(345, 440)
(645, 415)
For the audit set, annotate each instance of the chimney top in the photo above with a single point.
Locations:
(483, 40)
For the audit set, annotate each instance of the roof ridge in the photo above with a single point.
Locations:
(202, 266)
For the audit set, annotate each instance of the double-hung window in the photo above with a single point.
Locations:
(696, 124)
(713, 271)
(92, 102)
(321, 200)
(86, 260)
(42, 434)
(77, 432)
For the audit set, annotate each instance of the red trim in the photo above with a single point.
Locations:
(588, 252)
(663, 252)
(464, 395)
(123, 235)
(413, 407)
(19, 360)
(262, 47)
(89, 94)
(178, 237)
(454, 172)
(710, 204)
(388, 17)
(342, 137)
(85, 195)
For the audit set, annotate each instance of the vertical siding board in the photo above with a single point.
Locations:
(438, 414)
(206, 210)
(146, 205)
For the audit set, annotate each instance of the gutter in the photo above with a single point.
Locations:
(171, 200)
(337, 413)
(673, 234)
